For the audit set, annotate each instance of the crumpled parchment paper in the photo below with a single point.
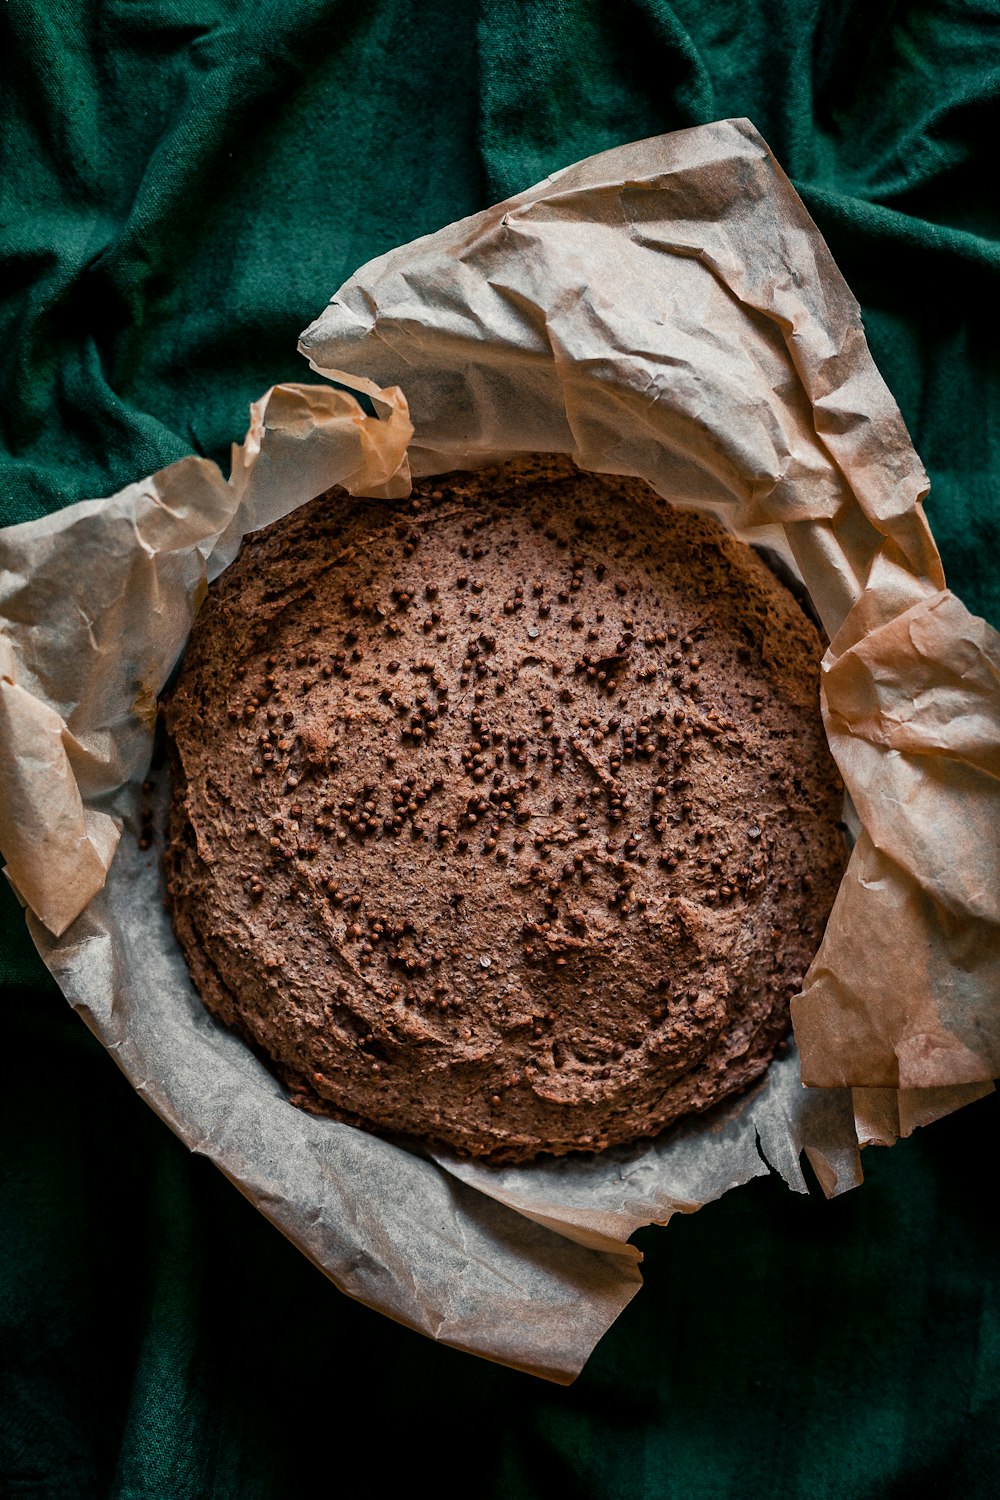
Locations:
(666, 309)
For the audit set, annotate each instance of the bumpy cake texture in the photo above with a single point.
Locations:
(503, 817)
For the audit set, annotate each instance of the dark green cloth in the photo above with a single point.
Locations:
(184, 183)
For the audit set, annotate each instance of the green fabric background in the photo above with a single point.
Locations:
(183, 185)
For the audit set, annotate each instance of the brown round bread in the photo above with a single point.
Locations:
(503, 817)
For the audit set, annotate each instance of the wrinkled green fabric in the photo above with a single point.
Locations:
(184, 183)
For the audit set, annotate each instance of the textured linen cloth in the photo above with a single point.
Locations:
(183, 184)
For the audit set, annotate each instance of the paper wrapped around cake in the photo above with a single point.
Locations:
(665, 310)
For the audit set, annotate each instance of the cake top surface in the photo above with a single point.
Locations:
(504, 816)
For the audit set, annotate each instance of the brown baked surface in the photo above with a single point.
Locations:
(503, 817)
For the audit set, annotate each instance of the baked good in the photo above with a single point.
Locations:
(503, 817)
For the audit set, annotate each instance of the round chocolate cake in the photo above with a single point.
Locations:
(503, 817)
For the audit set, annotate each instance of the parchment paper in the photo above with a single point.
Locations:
(665, 309)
